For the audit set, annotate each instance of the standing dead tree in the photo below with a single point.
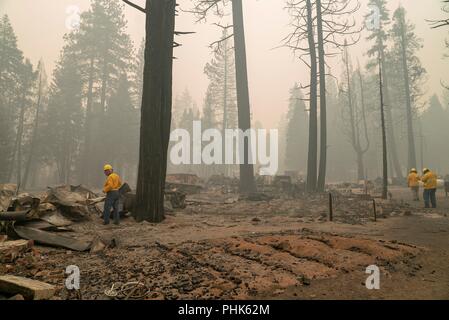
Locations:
(379, 53)
(156, 108)
(406, 46)
(201, 10)
(302, 41)
(384, 135)
(319, 28)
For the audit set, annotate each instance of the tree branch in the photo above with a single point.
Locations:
(135, 6)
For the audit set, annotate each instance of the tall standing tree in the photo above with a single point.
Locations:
(384, 135)
(105, 50)
(63, 119)
(202, 7)
(247, 182)
(27, 76)
(304, 31)
(379, 35)
(221, 94)
(323, 112)
(405, 50)
(156, 109)
(11, 67)
(313, 118)
(322, 24)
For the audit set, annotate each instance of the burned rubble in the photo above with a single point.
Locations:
(62, 223)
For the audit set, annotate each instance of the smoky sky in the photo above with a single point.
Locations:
(41, 24)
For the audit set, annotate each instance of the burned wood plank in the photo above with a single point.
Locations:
(51, 239)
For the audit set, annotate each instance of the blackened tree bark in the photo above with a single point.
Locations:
(323, 113)
(313, 119)
(333, 22)
(247, 183)
(384, 136)
(155, 110)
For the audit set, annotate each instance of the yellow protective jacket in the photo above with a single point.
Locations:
(429, 180)
(113, 182)
(413, 180)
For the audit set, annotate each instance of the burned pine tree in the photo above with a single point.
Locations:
(323, 112)
(323, 31)
(384, 136)
(155, 109)
(201, 9)
(378, 50)
(247, 182)
(411, 73)
(333, 22)
(303, 22)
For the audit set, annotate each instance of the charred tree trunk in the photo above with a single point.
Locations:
(408, 99)
(225, 104)
(384, 135)
(247, 183)
(313, 119)
(155, 110)
(323, 111)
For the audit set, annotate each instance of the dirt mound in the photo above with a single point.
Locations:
(228, 268)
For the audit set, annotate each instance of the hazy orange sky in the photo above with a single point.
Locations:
(40, 26)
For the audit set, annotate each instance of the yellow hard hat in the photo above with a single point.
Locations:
(107, 167)
(425, 170)
(413, 170)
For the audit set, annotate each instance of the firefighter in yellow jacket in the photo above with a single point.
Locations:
(111, 188)
(430, 188)
(413, 183)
